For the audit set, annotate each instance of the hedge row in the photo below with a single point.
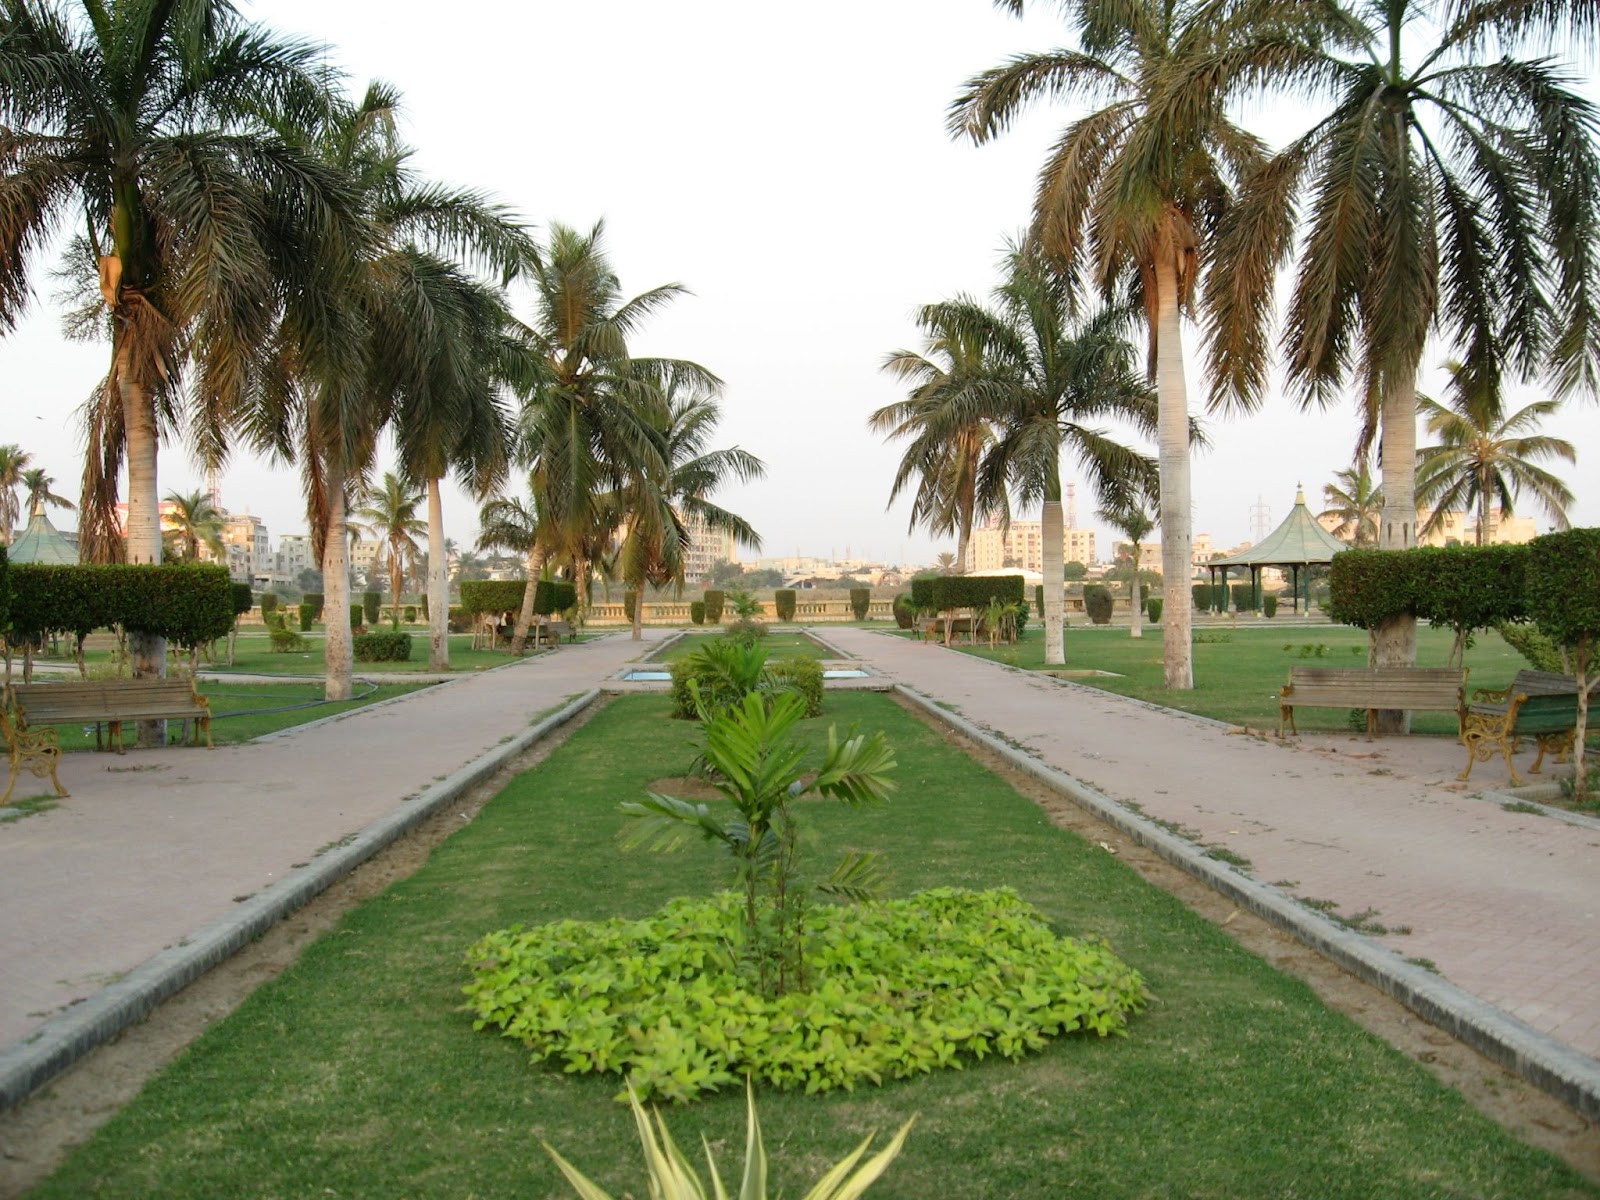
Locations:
(1464, 587)
(550, 596)
(188, 604)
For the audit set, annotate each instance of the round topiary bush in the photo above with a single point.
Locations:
(697, 612)
(905, 612)
(896, 988)
(1269, 606)
(1097, 603)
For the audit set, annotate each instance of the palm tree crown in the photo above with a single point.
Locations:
(14, 461)
(194, 520)
(390, 512)
(1355, 502)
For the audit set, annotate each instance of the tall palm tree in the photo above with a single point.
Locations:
(1130, 516)
(941, 457)
(587, 424)
(390, 511)
(1484, 456)
(38, 482)
(1048, 378)
(1128, 200)
(660, 508)
(1443, 188)
(1356, 502)
(386, 346)
(14, 461)
(194, 519)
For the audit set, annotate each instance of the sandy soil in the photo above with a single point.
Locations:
(37, 1135)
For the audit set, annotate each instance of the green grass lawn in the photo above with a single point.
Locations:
(1237, 672)
(355, 1074)
(240, 711)
(777, 645)
(253, 655)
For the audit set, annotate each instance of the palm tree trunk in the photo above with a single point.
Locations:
(1053, 535)
(438, 584)
(638, 611)
(1173, 451)
(1135, 608)
(1394, 642)
(148, 651)
(336, 592)
(519, 635)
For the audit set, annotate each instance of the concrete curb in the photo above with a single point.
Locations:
(1548, 1064)
(29, 1064)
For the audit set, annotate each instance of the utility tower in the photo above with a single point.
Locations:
(1260, 521)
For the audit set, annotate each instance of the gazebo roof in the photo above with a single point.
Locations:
(1298, 540)
(42, 542)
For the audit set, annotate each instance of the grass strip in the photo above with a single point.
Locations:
(354, 1073)
(777, 645)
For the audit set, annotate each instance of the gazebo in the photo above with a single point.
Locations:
(42, 542)
(1297, 543)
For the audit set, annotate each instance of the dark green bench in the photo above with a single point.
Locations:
(1541, 705)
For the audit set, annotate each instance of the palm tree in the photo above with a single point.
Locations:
(13, 463)
(660, 508)
(38, 483)
(1047, 377)
(391, 513)
(1484, 456)
(195, 520)
(1445, 189)
(1130, 516)
(942, 457)
(587, 425)
(1355, 502)
(1128, 200)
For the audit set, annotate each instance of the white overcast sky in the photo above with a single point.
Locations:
(788, 164)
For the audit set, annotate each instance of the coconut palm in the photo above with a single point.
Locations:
(1484, 458)
(1048, 378)
(390, 511)
(941, 457)
(1128, 200)
(587, 425)
(659, 508)
(1444, 189)
(14, 461)
(1355, 502)
(194, 520)
(38, 482)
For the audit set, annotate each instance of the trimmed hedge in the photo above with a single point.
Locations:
(315, 600)
(1464, 587)
(1202, 596)
(552, 596)
(188, 604)
(1563, 587)
(697, 612)
(1038, 599)
(922, 593)
(715, 599)
(372, 606)
(783, 603)
(355, 616)
(975, 591)
(493, 595)
(386, 646)
(1269, 606)
(905, 612)
(1369, 587)
(1244, 597)
(411, 614)
(269, 603)
(1097, 603)
(860, 602)
(243, 599)
(802, 675)
(1154, 607)
(308, 613)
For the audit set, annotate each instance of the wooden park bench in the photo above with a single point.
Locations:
(31, 708)
(1436, 689)
(551, 632)
(1541, 705)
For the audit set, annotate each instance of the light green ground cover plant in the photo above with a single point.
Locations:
(355, 1071)
(261, 708)
(1237, 680)
(896, 988)
(671, 1177)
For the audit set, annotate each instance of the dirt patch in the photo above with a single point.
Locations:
(1528, 1113)
(38, 1134)
(684, 787)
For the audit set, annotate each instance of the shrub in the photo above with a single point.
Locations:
(1153, 606)
(315, 600)
(1244, 597)
(1468, 588)
(662, 1000)
(1370, 587)
(552, 596)
(860, 602)
(905, 613)
(717, 676)
(243, 599)
(372, 606)
(308, 613)
(1038, 599)
(1269, 606)
(974, 591)
(411, 614)
(493, 595)
(389, 645)
(355, 616)
(284, 639)
(457, 619)
(922, 593)
(269, 603)
(1202, 597)
(697, 612)
(424, 603)
(802, 676)
(783, 603)
(1534, 645)
(1563, 597)
(714, 601)
(1097, 603)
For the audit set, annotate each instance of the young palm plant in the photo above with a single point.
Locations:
(1355, 503)
(391, 514)
(1130, 516)
(195, 522)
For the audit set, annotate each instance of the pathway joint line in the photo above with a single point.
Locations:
(1544, 1061)
(27, 1065)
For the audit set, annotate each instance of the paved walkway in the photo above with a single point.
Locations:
(153, 846)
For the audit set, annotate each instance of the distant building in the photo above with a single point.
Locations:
(293, 556)
(992, 548)
(245, 541)
(707, 547)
